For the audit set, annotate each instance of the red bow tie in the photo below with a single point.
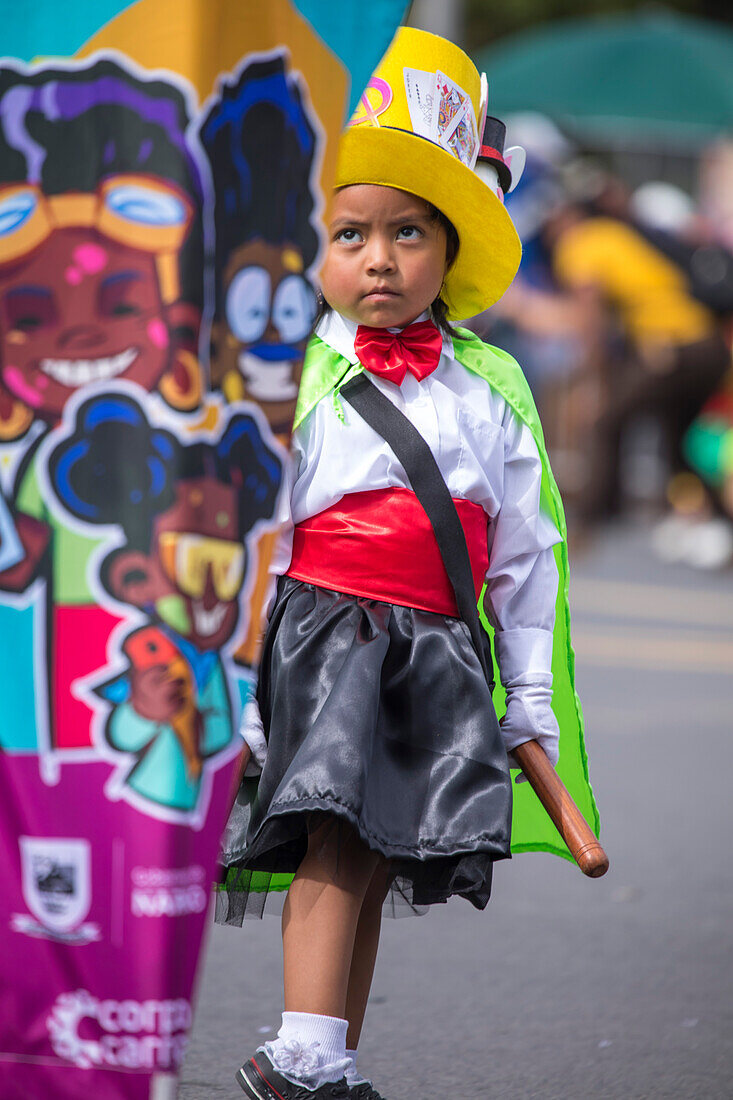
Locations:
(391, 354)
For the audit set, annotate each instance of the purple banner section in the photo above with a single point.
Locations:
(160, 236)
(158, 242)
(103, 913)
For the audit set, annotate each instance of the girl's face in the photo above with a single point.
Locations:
(386, 256)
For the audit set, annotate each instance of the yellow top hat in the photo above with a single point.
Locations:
(417, 128)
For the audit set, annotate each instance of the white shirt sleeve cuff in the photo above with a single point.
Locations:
(524, 655)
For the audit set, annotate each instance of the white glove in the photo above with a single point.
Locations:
(529, 717)
(253, 732)
(524, 657)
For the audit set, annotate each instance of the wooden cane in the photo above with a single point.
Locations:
(572, 826)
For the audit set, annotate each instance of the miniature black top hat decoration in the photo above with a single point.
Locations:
(491, 150)
(508, 165)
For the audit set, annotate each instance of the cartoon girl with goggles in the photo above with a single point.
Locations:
(93, 233)
(101, 260)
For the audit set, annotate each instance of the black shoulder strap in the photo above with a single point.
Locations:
(431, 490)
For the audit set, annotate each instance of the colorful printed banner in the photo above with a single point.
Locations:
(163, 167)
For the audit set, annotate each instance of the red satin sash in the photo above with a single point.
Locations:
(379, 544)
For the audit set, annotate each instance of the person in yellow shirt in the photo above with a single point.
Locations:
(671, 354)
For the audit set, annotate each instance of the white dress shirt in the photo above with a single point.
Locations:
(487, 455)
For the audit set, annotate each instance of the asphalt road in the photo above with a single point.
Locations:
(565, 988)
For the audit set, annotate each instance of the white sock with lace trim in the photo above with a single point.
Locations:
(309, 1049)
(352, 1075)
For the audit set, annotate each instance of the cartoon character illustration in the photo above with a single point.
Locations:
(100, 241)
(262, 149)
(150, 648)
(186, 514)
(101, 254)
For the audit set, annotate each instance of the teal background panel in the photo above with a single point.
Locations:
(357, 32)
(56, 28)
(17, 707)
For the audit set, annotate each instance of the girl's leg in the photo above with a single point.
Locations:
(320, 920)
(364, 955)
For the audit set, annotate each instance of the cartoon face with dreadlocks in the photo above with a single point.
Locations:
(262, 146)
(99, 239)
(186, 513)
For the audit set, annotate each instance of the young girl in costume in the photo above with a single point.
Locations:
(385, 770)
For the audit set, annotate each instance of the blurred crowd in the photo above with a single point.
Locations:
(622, 318)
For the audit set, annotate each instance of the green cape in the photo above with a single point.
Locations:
(324, 372)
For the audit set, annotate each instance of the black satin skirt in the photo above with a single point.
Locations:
(380, 716)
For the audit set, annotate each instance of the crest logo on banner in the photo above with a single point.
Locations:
(57, 888)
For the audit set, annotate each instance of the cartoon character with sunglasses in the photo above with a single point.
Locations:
(262, 149)
(188, 513)
(100, 281)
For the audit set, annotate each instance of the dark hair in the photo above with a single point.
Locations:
(68, 129)
(452, 243)
(451, 233)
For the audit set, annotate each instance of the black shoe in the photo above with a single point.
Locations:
(259, 1080)
(364, 1091)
